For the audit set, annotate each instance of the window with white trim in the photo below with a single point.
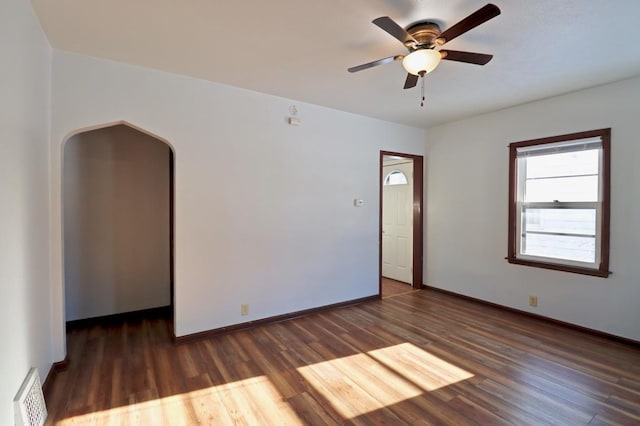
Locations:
(559, 202)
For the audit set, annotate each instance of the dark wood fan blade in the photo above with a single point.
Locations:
(468, 57)
(478, 17)
(411, 81)
(390, 26)
(375, 63)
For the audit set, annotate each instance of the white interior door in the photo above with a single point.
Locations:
(397, 221)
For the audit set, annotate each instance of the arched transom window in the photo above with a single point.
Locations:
(396, 177)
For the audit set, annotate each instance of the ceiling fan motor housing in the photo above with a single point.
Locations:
(425, 33)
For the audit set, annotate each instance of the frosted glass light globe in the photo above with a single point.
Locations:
(422, 60)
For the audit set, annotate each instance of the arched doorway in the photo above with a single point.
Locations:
(118, 222)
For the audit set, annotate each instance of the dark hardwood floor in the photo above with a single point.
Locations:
(416, 358)
(392, 288)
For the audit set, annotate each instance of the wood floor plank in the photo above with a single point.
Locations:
(312, 412)
(418, 358)
(475, 412)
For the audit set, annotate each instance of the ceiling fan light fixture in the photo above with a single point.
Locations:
(421, 61)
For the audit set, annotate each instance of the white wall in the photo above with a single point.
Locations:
(264, 211)
(466, 238)
(116, 222)
(25, 308)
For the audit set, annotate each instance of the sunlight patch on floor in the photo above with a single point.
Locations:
(422, 368)
(362, 383)
(251, 401)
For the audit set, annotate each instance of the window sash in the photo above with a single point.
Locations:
(520, 232)
(521, 166)
(521, 205)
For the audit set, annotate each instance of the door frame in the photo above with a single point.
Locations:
(418, 173)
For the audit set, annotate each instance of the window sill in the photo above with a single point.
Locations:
(559, 267)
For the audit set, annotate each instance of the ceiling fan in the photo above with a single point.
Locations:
(422, 37)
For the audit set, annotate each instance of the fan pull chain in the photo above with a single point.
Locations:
(422, 91)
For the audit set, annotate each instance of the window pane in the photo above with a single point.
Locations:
(581, 249)
(580, 188)
(396, 177)
(563, 164)
(559, 221)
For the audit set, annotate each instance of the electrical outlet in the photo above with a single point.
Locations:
(244, 309)
(533, 301)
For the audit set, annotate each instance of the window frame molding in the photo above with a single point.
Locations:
(601, 270)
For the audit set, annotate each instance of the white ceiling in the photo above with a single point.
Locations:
(301, 49)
